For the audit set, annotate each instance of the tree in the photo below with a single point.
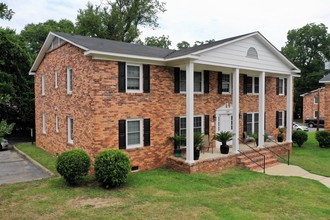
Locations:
(197, 43)
(161, 42)
(16, 87)
(5, 13)
(5, 128)
(119, 19)
(183, 44)
(308, 48)
(36, 34)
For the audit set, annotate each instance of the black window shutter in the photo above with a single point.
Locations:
(285, 86)
(219, 82)
(121, 77)
(277, 86)
(206, 124)
(122, 134)
(177, 125)
(146, 132)
(277, 116)
(245, 122)
(265, 121)
(146, 78)
(245, 84)
(284, 118)
(176, 80)
(206, 81)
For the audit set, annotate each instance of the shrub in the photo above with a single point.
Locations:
(299, 137)
(73, 165)
(111, 168)
(323, 137)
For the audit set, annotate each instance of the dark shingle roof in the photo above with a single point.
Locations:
(325, 79)
(111, 46)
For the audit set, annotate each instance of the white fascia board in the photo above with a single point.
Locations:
(71, 42)
(95, 54)
(188, 56)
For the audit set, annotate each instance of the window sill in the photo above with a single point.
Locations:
(70, 142)
(134, 148)
(69, 93)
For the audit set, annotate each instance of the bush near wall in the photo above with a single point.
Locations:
(323, 137)
(299, 137)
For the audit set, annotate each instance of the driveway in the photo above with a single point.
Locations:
(15, 168)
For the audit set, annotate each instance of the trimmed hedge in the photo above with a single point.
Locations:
(111, 168)
(73, 165)
(299, 137)
(323, 137)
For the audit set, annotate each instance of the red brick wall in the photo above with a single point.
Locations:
(309, 107)
(96, 106)
(326, 112)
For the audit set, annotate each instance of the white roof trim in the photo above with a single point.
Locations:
(95, 52)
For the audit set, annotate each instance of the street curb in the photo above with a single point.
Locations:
(34, 162)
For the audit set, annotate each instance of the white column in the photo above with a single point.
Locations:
(261, 132)
(190, 112)
(236, 110)
(289, 109)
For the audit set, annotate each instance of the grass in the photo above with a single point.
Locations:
(39, 155)
(311, 157)
(165, 194)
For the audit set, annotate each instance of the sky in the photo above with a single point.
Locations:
(193, 20)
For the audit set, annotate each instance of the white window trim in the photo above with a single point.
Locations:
(230, 80)
(44, 123)
(68, 89)
(314, 114)
(317, 100)
(57, 121)
(69, 126)
(253, 86)
(201, 116)
(140, 81)
(56, 79)
(202, 87)
(282, 93)
(283, 120)
(253, 120)
(43, 84)
(141, 134)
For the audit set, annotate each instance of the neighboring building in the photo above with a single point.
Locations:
(326, 81)
(98, 94)
(311, 102)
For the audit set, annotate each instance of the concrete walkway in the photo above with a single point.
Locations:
(292, 170)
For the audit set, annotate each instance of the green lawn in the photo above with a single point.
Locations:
(40, 155)
(311, 157)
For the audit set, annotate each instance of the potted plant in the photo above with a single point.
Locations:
(177, 140)
(223, 137)
(280, 134)
(198, 144)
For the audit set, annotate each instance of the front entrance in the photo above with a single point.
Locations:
(224, 121)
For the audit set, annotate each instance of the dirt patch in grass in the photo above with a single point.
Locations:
(95, 202)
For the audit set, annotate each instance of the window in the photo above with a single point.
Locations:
(281, 86)
(198, 82)
(69, 80)
(43, 85)
(225, 84)
(252, 53)
(55, 79)
(57, 129)
(316, 99)
(316, 113)
(252, 84)
(70, 130)
(252, 122)
(198, 125)
(134, 130)
(133, 78)
(280, 119)
(44, 123)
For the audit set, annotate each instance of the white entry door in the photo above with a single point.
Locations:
(224, 123)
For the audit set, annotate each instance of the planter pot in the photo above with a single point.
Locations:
(177, 152)
(280, 138)
(196, 154)
(224, 148)
(257, 141)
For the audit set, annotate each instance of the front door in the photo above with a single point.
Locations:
(224, 122)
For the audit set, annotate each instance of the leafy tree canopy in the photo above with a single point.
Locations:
(5, 12)
(185, 44)
(162, 41)
(35, 34)
(119, 19)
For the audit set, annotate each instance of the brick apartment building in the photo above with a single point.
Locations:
(326, 101)
(311, 102)
(98, 94)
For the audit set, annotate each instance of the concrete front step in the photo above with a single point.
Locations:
(270, 160)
